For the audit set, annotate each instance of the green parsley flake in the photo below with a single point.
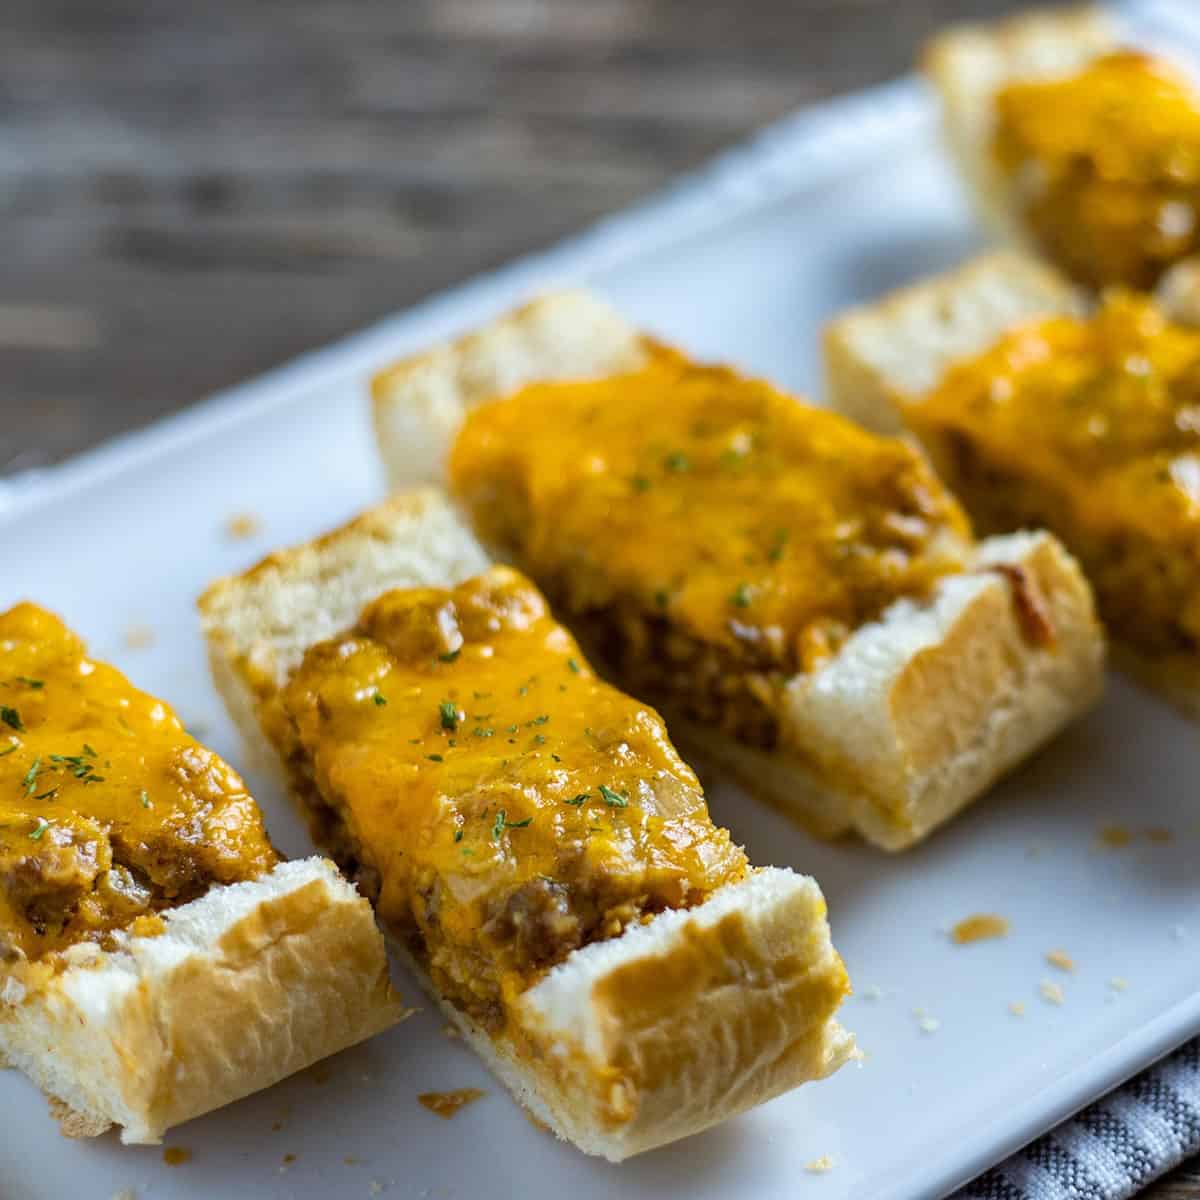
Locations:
(448, 711)
(449, 655)
(677, 462)
(435, 758)
(11, 718)
(613, 799)
(502, 823)
(30, 780)
(41, 827)
(145, 799)
(578, 800)
(741, 596)
(35, 684)
(380, 699)
(574, 665)
(458, 835)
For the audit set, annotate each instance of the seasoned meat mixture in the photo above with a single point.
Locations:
(709, 535)
(502, 805)
(1091, 428)
(1107, 165)
(109, 811)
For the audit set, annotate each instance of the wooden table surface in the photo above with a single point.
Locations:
(192, 193)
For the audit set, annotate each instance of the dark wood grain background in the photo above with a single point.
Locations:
(193, 192)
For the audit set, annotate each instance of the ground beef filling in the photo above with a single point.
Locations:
(499, 803)
(1146, 590)
(710, 536)
(1106, 164)
(110, 813)
(1088, 427)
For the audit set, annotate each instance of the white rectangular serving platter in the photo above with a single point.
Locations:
(742, 262)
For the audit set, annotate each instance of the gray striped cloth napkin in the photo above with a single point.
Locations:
(1112, 1149)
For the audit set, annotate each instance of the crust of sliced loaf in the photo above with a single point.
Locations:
(967, 65)
(695, 1018)
(896, 348)
(247, 985)
(259, 624)
(831, 794)
(630, 1043)
(419, 404)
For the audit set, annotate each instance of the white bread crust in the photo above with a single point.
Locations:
(248, 984)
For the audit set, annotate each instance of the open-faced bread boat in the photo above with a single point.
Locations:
(1073, 143)
(529, 834)
(1040, 409)
(157, 959)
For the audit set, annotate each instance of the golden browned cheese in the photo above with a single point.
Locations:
(1108, 165)
(718, 531)
(109, 811)
(505, 804)
(1090, 426)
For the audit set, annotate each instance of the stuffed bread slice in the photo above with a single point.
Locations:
(803, 600)
(1072, 143)
(157, 959)
(1037, 409)
(529, 835)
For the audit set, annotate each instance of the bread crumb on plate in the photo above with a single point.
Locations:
(820, 1166)
(138, 637)
(925, 1022)
(1118, 983)
(1060, 959)
(242, 526)
(1017, 1008)
(979, 927)
(450, 1104)
(1114, 837)
(1051, 992)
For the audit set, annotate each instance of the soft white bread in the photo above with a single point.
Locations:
(247, 984)
(923, 710)
(968, 64)
(629, 1043)
(898, 347)
(917, 714)
(882, 355)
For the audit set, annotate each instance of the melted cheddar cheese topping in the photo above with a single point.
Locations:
(1107, 162)
(1090, 426)
(109, 810)
(504, 804)
(749, 521)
